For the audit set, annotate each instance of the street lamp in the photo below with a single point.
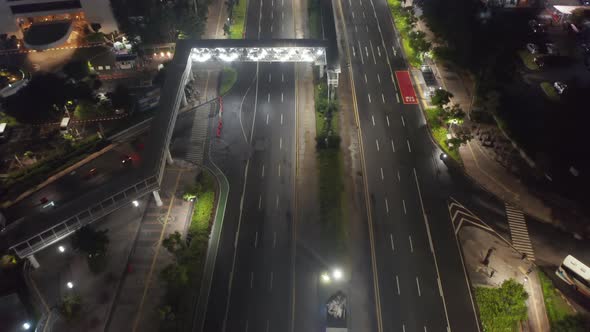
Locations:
(325, 278)
(337, 274)
(70, 284)
(26, 325)
(135, 203)
(61, 249)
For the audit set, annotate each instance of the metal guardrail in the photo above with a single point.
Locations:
(85, 217)
(136, 129)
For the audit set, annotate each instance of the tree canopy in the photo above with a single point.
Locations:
(90, 241)
(501, 309)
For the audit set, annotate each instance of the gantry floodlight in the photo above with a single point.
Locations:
(61, 249)
(135, 203)
(313, 54)
(325, 277)
(70, 284)
(26, 325)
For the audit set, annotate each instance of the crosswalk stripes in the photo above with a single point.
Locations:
(198, 136)
(519, 232)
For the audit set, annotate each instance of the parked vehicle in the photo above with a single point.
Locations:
(550, 48)
(532, 48)
(560, 87)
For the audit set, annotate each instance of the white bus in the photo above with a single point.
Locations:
(576, 274)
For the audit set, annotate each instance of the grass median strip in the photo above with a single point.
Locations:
(238, 19)
(550, 91)
(228, 79)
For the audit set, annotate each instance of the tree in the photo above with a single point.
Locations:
(121, 98)
(175, 244)
(441, 97)
(501, 309)
(70, 306)
(90, 241)
(77, 70)
(175, 274)
(418, 42)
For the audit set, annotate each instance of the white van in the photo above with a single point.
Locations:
(63, 126)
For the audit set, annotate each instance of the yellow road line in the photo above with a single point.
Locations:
(149, 278)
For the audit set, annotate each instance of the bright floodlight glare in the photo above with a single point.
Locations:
(61, 248)
(135, 203)
(26, 325)
(325, 277)
(337, 274)
(70, 284)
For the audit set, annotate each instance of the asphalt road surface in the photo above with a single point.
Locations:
(421, 282)
(252, 287)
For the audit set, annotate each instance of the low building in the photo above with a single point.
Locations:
(18, 17)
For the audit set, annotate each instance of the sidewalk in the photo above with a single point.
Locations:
(504, 263)
(478, 164)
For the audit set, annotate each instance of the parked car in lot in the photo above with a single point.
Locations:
(560, 87)
(550, 48)
(532, 48)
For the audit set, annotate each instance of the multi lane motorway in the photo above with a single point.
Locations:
(419, 280)
(252, 288)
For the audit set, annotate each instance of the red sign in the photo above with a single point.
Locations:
(406, 88)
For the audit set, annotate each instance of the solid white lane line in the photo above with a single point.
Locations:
(279, 170)
(383, 98)
(411, 244)
(386, 205)
(382, 177)
(397, 282)
(271, 278)
(251, 279)
(393, 81)
(378, 78)
(256, 240)
(274, 240)
(260, 202)
(377, 144)
(409, 148)
(267, 114)
(404, 204)
(392, 146)
(418, 285)
(387, 118)
(365, 78)
(372, 51)
(391, 240)
(403, 122)
(368, 94)
(282, 97)
(397, 97)
(268, 97)
(281, 119)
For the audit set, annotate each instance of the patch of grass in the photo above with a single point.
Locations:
(550, 91)
(228, 79)
(527, 59)
(238, 20)
(10, 120)
(561, 316)
(439, 132)
(331, 191)
(403, 26)
(314, 20)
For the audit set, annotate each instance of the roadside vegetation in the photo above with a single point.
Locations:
(441, 119)
(314, 21)
(237, 18)
(189, 256)
(331, 173)
(549, 91)
(528, 59)
(94, 244)
(414, 42)
(503, 308)
(228, 78)
(561, 316)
